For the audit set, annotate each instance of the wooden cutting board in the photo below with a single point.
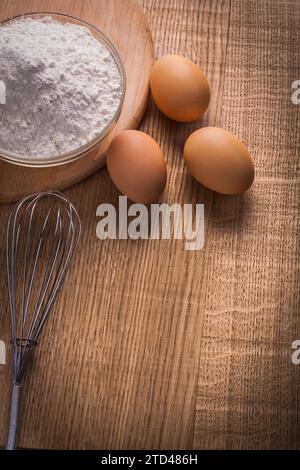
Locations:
(125, 24)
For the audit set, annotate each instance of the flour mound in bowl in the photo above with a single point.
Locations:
(63, 87)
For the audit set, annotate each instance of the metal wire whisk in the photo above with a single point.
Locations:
(42, 236)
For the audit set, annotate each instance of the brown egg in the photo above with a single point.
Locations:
(137, 166)
(179, 88)
(219, 161)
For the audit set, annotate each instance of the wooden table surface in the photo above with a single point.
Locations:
(152, 346)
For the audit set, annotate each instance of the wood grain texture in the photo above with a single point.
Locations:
(248, 394)
(151, 346)
(125, 24)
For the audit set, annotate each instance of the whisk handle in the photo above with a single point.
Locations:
(14, 418)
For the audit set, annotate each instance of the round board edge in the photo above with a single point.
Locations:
(35, 180)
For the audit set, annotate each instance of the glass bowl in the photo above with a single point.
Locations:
(42, 162)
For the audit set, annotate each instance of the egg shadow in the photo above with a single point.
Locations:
(222, 212)
(235, 211)
(171, 135)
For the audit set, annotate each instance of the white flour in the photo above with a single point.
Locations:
(62, 87)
